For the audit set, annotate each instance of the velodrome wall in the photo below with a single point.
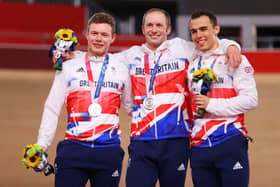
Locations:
(13, 58)
(27, 33)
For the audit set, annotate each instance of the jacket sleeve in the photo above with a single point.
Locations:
(52, 109)
(78, 54)
(184, 47)
(245, 87)
(127, 96)
(225, 43)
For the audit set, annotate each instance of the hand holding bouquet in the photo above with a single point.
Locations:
(66, 40)
(201, 83)
(35, 157)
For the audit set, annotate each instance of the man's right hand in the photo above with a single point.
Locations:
(35, 157)
(66, 56)
(44, 166)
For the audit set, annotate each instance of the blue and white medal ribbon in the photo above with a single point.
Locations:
(149, 100)
(95, 109)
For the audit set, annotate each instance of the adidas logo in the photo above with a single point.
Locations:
(181, 167)
(115, 174)
(129, 162)
(137, 58)
(237, 165)
(80, 70)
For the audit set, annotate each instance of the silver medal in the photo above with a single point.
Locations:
(148, 103)
(94, 109)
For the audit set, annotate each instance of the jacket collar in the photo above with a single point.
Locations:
(163, 46)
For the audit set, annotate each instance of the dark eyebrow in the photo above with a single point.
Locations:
(203, 28)
(200, 28)
(193, 30)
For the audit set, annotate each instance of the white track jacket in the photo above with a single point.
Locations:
(230, 97)
(72, 86)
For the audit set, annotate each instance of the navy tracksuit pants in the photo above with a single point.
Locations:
(163, 160)
(76, 164)
(224, 165)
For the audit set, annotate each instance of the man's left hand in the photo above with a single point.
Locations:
(233, 56)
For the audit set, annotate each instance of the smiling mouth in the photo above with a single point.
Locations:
(154, 36)
(98, 45)
(201, 42)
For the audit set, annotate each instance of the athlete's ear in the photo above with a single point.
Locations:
(86, 35)
(113, 38)
(217, 29)
(168, 31)
(143, 30)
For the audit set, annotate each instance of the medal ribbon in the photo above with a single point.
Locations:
(100, 79)
(154, 72)
(212, 65)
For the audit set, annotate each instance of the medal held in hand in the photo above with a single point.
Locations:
(94, 109)
(149, 103)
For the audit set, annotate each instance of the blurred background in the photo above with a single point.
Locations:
(27, 27)
(27, 31)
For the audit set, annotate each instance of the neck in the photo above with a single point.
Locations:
(96, 54)
(215, 45)
(153, 47)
